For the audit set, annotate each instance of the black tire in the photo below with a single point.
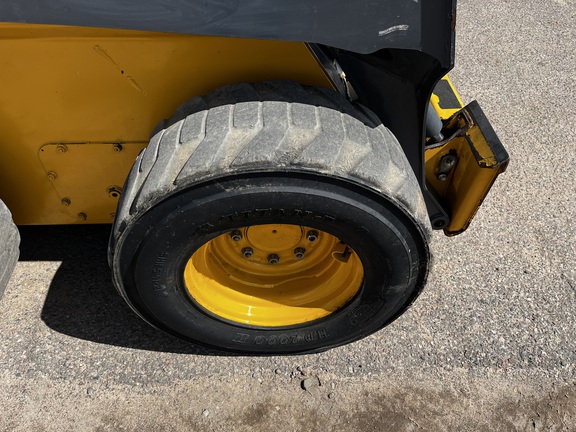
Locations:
(270, 153)
(10, 241)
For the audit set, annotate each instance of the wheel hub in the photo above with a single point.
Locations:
(274, 238)
(273, 275)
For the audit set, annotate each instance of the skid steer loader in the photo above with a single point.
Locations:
(272, 171)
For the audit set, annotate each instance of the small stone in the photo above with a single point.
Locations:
(331, 395)
(206, 413)
(309, 383)
(278, 372)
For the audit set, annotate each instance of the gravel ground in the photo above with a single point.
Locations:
(488, 346)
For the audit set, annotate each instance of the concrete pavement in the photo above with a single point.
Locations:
(488, 346)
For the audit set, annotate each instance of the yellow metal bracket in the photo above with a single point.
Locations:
(462, 168)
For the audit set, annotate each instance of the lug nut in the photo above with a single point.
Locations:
(236, 235)
(273, 259)
(312, 236)
(299, 253)
(248, 252)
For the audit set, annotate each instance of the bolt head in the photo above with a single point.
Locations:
(236, 235)
(312, 235)
(299, 253)
(248, 252)
(65, 202)
(273, 259)
(442, 177)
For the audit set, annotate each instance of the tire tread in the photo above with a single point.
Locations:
(231, 131)
(10, 241)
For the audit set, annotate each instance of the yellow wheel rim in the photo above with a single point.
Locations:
(273, 275)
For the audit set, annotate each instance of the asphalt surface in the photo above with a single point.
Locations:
(490, 345)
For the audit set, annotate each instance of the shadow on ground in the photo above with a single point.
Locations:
(81, 301)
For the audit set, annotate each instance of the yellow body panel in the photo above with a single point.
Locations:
(88, 89)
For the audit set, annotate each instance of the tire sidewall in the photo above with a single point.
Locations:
(155, 251)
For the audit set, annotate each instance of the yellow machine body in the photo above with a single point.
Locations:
(78, 104)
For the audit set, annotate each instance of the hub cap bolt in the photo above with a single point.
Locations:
(248, 253)
(299, 253)
(312, 236)
(273, 259)
(236, 235)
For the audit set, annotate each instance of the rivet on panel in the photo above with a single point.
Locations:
(82, 216)
(61, 148)
(52, 175)
(114, 191)
(65, 202)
